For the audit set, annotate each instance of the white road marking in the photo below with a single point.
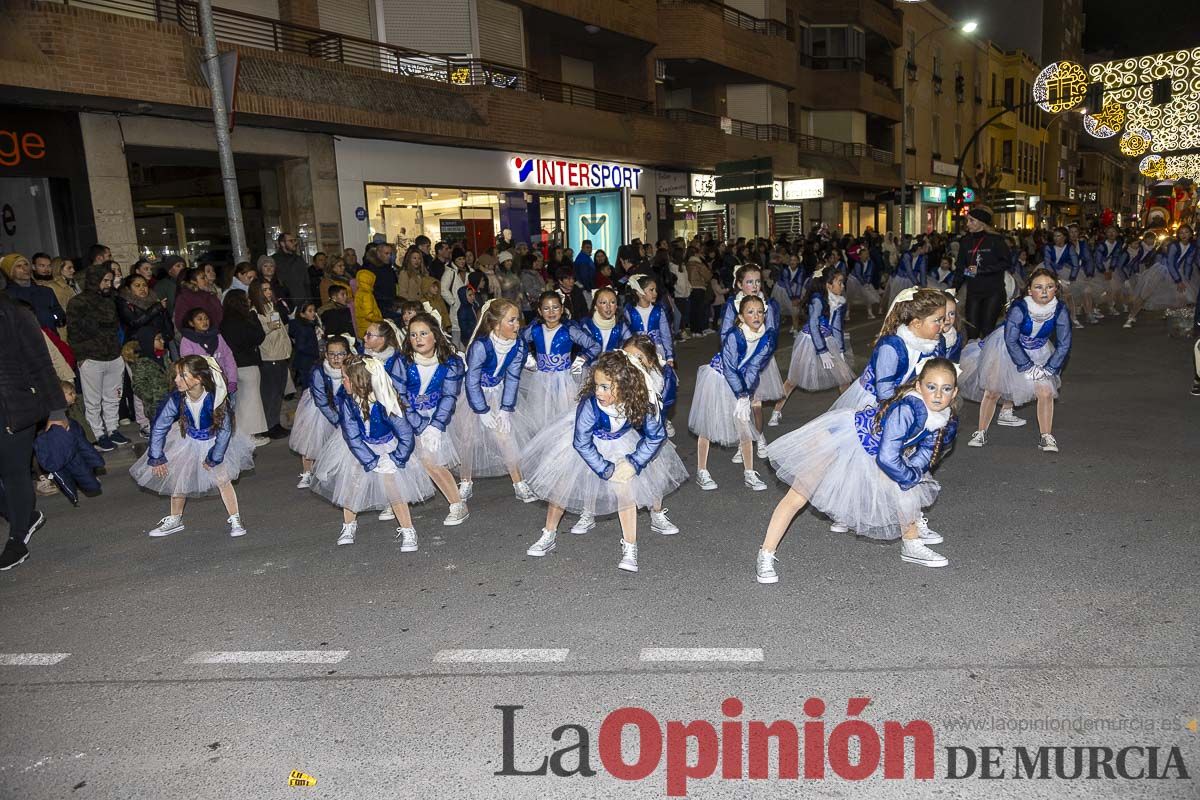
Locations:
(500, 656)
(270, 657)
(31, 659)
(701, 654)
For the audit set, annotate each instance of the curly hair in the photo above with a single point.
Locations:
(925, 303)
(197, 367)
(629, 387)
(442, 347)
(945, 365)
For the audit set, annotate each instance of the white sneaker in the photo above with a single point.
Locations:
(584, 524)
(348, 531)
(458, 514)
(628, 556)
(764, 568)
(659, 523)
(1048, 444)
(408, 539)
(762, 448)
(168, 525)
(543, 546)
(1075, 323)
(670, 430)
(705, 481)
(259, 441)
(753, 482)
(1128, 323)
(978, 439)
(466, 490)
(837, 527)
(306, 480)
(737, 455)
(524, 493)
(236, 528)
(914, 551)
(1009, 419)
(387, 514)
(925, 534)
(776, 418)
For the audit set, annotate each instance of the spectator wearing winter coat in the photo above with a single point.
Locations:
(467, 316)
(243, 334)
(200, 338)
(337, 316)
(412, 275)
(68, 457)
(21, 286)
(293, 269)
(197, 291)
(93, 324)
(585, 267)
(139, 307)
(366, 307)
(379, 261)
(150, 371)
(276, 352)
(454, 278)
(306, 352)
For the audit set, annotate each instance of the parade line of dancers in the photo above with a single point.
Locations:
(576, 413)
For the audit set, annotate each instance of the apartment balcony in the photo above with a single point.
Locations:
(873, 16)
(848, 162)
(836, 84)
(626, 17)
(737, 138)
(724, 44)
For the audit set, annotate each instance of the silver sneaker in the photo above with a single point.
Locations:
(524, 493)
(914, 551)
(925, 534)
(978, 439)
(1009, 419)
(753, 482)
(705, 481)
(762, 448)
(466, 490)
(236, 528)
(458, 514)
(168, 525)
(306, 480)
(584, 524)
(387, 514)
(660, 523)
(670, 430)
(764, 568)
(838, 527)
(1048, 444)
(408, 539)
(737, 455)
(628, 556)
(776, 418)
(348, 531)
(543, 546)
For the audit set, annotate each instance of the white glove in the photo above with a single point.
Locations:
(624, 472)
(1035, 373)
(742, 410)
(826, 360)
(385, 465)
(503, 421)
(577, 365)
(431, 439)
(531, 363)
(488, 420)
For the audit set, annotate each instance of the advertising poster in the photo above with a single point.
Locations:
(596, 216)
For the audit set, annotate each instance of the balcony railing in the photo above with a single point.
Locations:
(739, 19)
(583, 96)
(815, 144)
(762, 132)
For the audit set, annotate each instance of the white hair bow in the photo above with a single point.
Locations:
(482, 313)
(395, 329)
(905, 296)
(218, 381)
(433, 312)
(382, 390)
(351, 342)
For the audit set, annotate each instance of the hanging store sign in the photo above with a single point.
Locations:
(536, 171)
(802, 189)
(703, 185)
(671, 184)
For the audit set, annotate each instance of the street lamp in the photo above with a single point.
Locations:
(966, 28)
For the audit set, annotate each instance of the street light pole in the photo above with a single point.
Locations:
(233, 200)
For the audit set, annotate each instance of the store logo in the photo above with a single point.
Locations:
(533, 171)
(16, 147)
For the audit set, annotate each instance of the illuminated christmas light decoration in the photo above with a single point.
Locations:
(1135, 142)
(1171, 168)
(1060, 87)
(1152, 166)
(1173, 125)
(1108, 122)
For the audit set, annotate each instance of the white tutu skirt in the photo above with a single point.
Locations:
(779, 295)
(310, 430)
(545, 396)
(825, 462)
(1098, 286)
(1158, 292)
(559, 475)
(446, 453)
(770, 383)
(341, 479)
(186, 474)
(895, 286)
(485, 453)
(860, 294)
(806, 371)
(855, 398)
(711, 415)
(993, 370)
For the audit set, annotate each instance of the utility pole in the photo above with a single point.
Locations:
(233, 199)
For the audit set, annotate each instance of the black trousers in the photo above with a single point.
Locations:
(274, 382)
(698, 311)
(17, 498)
(983, 311)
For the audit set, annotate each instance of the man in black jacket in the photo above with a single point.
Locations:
(983, 258)
(291, 266)
(29, 394)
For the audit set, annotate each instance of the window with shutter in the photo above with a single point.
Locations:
(501, 32)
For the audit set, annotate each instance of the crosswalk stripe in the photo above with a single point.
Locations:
(31, 659)
(270, 657)
(500, 656)
(701, 654)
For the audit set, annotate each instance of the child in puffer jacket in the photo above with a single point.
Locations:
(67, 456)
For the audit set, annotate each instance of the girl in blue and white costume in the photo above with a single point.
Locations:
(429, 376)
(859, 288)
(381, 341)
(954, 334)
(910, 271)
(818, 357)
(868, 467)
(748, 282)
(490, 434)
(372, 466)
(316, 419)
(1063, 261)
(1084, 289)
(605, 325)
(607, 457)
(793, 278)
(645, 316)
(558, 350)
(1019, 362)
(722, 404)
(1171, 282)
(1110, 257)
(1142, 255)
(194, 450)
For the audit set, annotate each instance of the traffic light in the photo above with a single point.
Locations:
(1093, 101)
(1160, 90)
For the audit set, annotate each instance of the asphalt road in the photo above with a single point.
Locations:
(1070, 600)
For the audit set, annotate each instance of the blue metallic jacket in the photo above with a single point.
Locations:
(1110, 259)
(1057, 263)
(379, 428)
(616, 337)
(200, 429)
(902, 448)
(729, 316)
(323, 393)
(592, 423)
(482, 371)
(889, 367)
(1020, 336)
(820, 326)
(743, 377)
(1181, 265)
(912, 267)
(567, 337)
(1081, 256)
(434, 406)
(657, 328)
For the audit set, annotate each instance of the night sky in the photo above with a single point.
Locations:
(1115, 25)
